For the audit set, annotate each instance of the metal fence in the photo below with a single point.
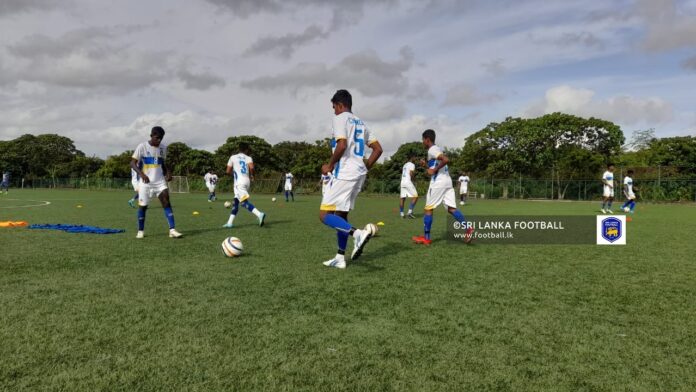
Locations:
(650, 189)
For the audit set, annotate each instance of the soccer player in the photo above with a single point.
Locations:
(608, 194)
(150, 164)
(241, 167)
(350, 136)
(211, 180)
(135, 179)
(288, 186)
(463, 181)
(407, 188)
(440, 190)
(5, 184)
(628, 192)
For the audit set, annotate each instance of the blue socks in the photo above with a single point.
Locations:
(248, 206)
(169, 214)
(235, 209)
(410, 206)
(459, 216)
(141, 219)
(287, 194)
(336, 222)
(401, 209)
(342, 238)
(427, 224)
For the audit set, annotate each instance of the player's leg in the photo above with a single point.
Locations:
(287, 195)
(401, 206)
(292, 194)
(233, 214)
(433, 199)
(451, 206)
(411, 206)
(168, 212)
(610, 201)
(143, 201)
(465, 195)
(251, 208)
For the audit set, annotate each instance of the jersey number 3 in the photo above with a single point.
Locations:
(242, 166)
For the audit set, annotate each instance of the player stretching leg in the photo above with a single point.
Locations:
(407, 188)
(349, 138)
(608, 194)
(241, 166)
(288, 187)
(630, 203)
(150, 165)
(440, 190)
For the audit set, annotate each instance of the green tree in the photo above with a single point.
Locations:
(308, 164)
(288, 153)
(175, 154)
(196, 162)
(116, 166)
(261, 152)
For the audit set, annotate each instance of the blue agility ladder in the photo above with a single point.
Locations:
(77, 229)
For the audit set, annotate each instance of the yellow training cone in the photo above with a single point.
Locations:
(380, 223)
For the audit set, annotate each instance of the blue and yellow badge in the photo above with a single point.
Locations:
(611, 230)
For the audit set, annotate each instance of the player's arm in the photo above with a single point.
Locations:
(341, 146)
(442, 162)
(167, 171)
(134, 166)
(250, 167)
(376, 153)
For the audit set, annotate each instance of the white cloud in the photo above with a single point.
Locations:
(623, 109)
(467, 95)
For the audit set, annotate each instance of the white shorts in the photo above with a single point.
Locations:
(288, 187)
(437, 196)
(463, 191)
(608, 191)
(340, 195)
(630, 196)
(408, 190)
(211, 188)
(148, 191)
(135, 183)
(241, 191)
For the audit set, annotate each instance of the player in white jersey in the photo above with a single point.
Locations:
(150, 165)
(407, 188)
(135, 179)
(5, 183)
(629, 189)
(288, 186)
(440, 190)
(241, 167)
(463, 181)
(211, 180)
(608, 193)
(349, 139)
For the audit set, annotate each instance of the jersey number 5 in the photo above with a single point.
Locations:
(359, 149)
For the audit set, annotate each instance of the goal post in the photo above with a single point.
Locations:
(179, 184)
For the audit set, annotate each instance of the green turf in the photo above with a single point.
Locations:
(82, 312)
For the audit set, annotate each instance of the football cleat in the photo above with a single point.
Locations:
(141, 234)
(610, 212)
(131, 203)
(411, 216)
(603, 211)
(335, 263)
(469, 235)
(262, 218)
(174, 234)
(359, 243)
(421, 240)
(228, 225)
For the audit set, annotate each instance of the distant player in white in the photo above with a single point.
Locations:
(5, 183)
(241, 167)
(211, 180)
(135, 179)
(440, 190)
(608, 194)
(463, 181)
(150, 165)
(350, 137)
(407, 188)
(630, 203)
(288, 186)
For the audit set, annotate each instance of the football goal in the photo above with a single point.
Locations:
(179, 184)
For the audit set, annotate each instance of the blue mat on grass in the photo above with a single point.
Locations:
(78, 229)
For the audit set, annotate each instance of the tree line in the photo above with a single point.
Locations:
(556, 146)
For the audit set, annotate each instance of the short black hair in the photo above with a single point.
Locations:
(343, 97)
(630, 171)
(429, 134)
(610, 165)
(157, 131)
(243, 146)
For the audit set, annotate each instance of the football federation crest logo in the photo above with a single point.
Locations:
(611, 230)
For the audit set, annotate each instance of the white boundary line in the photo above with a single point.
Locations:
(42, 203)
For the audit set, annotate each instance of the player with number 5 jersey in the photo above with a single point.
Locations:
(350, 138)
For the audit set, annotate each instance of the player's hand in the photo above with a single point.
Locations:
(422, 162)
(431, 172)
(168, 177)
(326, 169)
(145, 178)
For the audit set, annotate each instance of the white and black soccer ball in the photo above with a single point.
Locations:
(371, 228)
(232, 247)
(228, 204)
(627, 209)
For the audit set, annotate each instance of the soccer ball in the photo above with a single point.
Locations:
(372, 229)
(626, 209)
(273, 199)
(228, 204)
(232, 246)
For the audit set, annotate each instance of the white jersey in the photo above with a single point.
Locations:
(608, 177)
(210, 179)
(628, 183)
(406, 179)
(357, 136)
(463, 182)
(441, 179)
(240, 167)
(288, 179)
(152, 160)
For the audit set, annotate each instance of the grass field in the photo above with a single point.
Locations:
(82, 312)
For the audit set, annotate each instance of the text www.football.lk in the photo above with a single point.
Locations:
(503, 235)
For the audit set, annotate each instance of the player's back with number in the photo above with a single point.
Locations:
(357, 136)
(240, 167)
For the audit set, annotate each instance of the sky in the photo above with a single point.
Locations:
(104, 72)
